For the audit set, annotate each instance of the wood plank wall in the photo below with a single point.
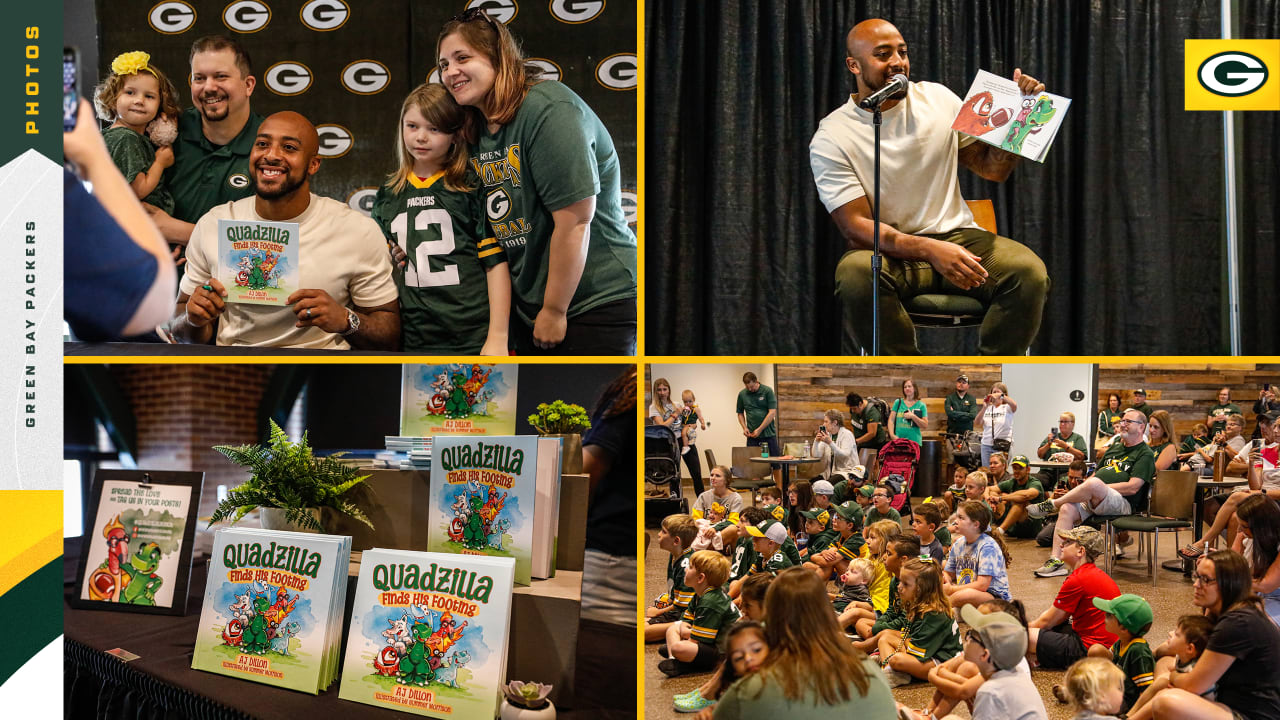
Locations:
(1187, 391)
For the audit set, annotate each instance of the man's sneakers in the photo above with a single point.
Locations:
(1042, 509)
(1053, 567)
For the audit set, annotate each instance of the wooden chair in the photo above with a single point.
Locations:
(748, 476)
(1172, 507)
(953, 311)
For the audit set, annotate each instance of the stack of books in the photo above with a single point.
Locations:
(414, 453)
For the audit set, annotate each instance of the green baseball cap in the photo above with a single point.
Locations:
(777, 512)
(1131, 611)
(821, 516)
(867, 491)
(849, 510)
(1020, 460)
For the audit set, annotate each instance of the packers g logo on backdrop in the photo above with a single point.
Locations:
(501, 10)
(365, 77)
(324, 15)
(617, 72)
(171, 18)
(288, 78)
(335, 140)
(361, 200)
(575, 12)
(1231, 75)
(550, 70)
(246, 16)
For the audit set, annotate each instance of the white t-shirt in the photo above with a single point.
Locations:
(1270, 468)
(340, 251)
(997, 423)
(918, 162)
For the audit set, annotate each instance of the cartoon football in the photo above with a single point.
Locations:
(1000, 117)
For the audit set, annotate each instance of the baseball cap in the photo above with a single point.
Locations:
(1090, 539)
(859, 472)
(1140, 391)
(849, 510)
(821, 516)
(822, 487)
(1020, 460)
(777, 512)
(962, 378)
(771, 529)
(1131, 611)
(1271, 416)
(867, 491)
(1001, 634)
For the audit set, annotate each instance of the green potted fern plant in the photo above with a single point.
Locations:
(289, 484)
(566, 421)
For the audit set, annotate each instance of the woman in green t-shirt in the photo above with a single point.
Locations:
(1109, 418)
(550, 179)
(908, 415)
(812, 671)
(1160, 437)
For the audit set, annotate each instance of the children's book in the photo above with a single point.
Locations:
(258, 260)
(497, 496)
(429, 633)
(137, 554)
(273, 607)
(458, 399)
(996, 112)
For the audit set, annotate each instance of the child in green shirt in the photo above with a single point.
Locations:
(931, 634)
(1129, 617)
(692, 642)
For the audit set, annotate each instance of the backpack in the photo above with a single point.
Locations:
(881, 406)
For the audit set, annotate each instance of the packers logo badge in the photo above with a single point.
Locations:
(1231, 75)
(288, 77)
(246, 16)
(171, 18)
(238, 181)
(497, 205)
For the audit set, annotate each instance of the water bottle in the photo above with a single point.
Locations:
(764, 451)
(806, 449)
(802, 539)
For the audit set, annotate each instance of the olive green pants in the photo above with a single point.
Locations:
(1015, 292)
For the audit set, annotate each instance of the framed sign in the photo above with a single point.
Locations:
(137, 550)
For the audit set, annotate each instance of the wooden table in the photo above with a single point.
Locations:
(1204, 488)
(786, 464)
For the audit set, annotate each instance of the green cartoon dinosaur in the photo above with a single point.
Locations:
(143, 581)
(457, 406)
(1030, 120)
(414, 666)
(255, 638)
(473, 535)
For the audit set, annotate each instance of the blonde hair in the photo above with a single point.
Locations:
(513, 76)
(1161, 418)
(1089, 679)
(108, 91)
(864, 567)
(682, 527)
(439, 109)
(929, 595)
(689, 393)
(884, 531)
(713, 565)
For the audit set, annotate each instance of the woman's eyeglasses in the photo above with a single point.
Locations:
(1198, 579)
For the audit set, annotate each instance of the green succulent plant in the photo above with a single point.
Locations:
(560, 418)
(286, 475)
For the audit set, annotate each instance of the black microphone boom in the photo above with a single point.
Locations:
(896, 85)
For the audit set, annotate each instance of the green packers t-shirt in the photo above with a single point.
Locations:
(553, 153)
(1120, 463)
(744, 557)
(756, 405)
(860, 421)
(204, 175)
(1139, 667)
(932, 636)
(134, 154)
(1219, 414)
(678, 593)
(821, 541)
(709, 615)
(444, 296)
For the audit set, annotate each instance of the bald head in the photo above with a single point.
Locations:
(286, 153)
(289, 124)
(877, 52)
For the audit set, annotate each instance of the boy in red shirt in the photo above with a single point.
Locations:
(1064, 633)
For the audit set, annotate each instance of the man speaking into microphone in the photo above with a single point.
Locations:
(928, 236)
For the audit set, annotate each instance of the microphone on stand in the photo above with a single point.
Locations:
(896, 85)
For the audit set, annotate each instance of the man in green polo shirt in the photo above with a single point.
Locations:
(211, 155)
(757, 414)
(1017, 493)
(961, 408)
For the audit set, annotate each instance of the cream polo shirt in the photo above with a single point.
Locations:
(920, 189)
(340, 251)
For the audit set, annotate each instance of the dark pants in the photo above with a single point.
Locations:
(608, 330)
(1014, 293)
(695, 468)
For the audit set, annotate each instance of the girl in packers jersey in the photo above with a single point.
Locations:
(455, 290)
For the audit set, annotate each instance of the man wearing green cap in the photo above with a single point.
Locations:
(1016, 493)
(1129, 617)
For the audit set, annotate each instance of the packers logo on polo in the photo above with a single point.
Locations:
(324, 15)
(617, 72)
(576, 12)
(501, 10)
(1231, 75)
(365, 77)
(335, 140)
(549, 70)
(497, 205)
(246, 16)
(238, 181)
(171, 18)
(288, 78)
(630, 206)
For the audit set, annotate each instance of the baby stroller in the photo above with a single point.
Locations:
(662, 492)
(898, 460)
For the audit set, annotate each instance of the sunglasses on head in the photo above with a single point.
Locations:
(472, 14)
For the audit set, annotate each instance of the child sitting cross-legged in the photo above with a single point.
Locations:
(743, 553)
(1186, 643)
(866, 620)
(880, 535)
(817, 523)
(1095, 687)
(692, 642)
(996, 644)
(853, 585)
(926, 521)
(930, 635)
(977, 566)
(676, 536)
(847, 545)
(1128, 617)
(753, 592)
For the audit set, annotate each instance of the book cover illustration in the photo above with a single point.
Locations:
(482, 498)
(429, 633)
(996, 112)
(458, 399)
(269, 607)
(258, 260)
(142, 529)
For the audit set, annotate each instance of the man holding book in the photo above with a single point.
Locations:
(928, 237)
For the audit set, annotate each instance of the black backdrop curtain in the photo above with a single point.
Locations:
(1126, 211)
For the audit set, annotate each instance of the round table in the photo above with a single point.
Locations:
(786, 464)
(1204, 488)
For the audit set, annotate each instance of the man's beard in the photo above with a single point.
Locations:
(213, 116)
(288, 186)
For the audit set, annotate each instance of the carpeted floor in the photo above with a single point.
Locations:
(1169, 600)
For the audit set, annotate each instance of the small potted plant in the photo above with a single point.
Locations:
(566, 421)
(527, 701)
(289, 484)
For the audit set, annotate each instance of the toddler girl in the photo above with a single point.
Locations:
(141, 105)
(746, 650)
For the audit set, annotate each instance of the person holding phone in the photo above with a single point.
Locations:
(995, 420)
(835, 445)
